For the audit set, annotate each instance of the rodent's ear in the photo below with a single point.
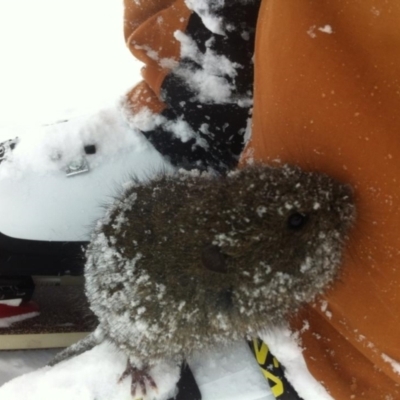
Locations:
(297, 220)
(213, 259)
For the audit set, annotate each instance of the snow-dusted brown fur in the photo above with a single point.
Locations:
(190, 261)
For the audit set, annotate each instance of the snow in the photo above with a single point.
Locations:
(306, 265)
(145, 120)
(93, 375)
(375, 11)
(223, 374)
(210, 82)
(261, 210)
(285, 346)
(324, 29)
(19, 362)
(210, 20)
(394, 364)
(43, 203)
(226, 374)
(206, 9)
(154, 55)
(61, 59)
(44, 149)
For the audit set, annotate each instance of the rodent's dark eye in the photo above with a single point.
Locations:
(296, 220)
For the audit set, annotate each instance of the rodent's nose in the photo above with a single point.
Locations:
(213, 259)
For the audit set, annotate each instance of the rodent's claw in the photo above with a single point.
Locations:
(139, 377)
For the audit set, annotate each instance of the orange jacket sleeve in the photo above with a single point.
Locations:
(326, 97)
(151, 25)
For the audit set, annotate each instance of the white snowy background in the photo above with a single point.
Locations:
(60, 59)
(67, 60)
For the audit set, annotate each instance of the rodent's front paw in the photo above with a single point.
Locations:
(155, 381)
(140, 379)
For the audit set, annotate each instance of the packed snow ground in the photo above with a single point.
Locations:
(229, 374)
(226, 374)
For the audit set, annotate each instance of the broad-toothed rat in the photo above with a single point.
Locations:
(189, 261)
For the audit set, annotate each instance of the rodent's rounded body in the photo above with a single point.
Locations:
(187, 261)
